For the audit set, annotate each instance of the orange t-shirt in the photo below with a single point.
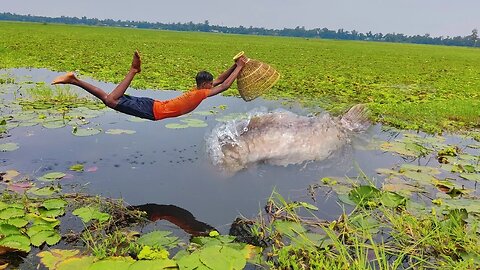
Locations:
(180, 105)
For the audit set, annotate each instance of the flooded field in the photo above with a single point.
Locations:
(167, 163)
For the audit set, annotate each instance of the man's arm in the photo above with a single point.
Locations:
(222, 77)
(239, 64)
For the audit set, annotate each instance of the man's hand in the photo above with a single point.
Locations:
(241, 61)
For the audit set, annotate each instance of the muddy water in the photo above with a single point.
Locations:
(163, 166)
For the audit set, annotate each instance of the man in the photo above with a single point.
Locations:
(151, 109)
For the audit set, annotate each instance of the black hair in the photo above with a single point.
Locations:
(203, 76)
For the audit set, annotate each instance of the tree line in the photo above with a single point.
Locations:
(468, 41)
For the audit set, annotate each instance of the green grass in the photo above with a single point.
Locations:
(431, 88)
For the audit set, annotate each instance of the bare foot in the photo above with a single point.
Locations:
(136, 63)
(67, 78)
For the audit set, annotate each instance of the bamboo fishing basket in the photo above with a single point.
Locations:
(255, 79)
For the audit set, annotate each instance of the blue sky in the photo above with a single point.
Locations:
(436, 17)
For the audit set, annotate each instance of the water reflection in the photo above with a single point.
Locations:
(176, 215)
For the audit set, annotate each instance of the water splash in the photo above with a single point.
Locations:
(281, 138)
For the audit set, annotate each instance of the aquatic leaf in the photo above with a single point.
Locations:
(54, 204)
(9, 175)
(153, 265)
(136, 119)
(288, 228)
(404, 149)
(420, 177)
(117, 263)
(176, 126)
(365, 223)
(204, 113)
(51, 213)
(308, 206)
(148, 253)
(8, 147)
(362, 195)
(158, 239)
(471, 176)
(218, 257)
(311, 240)
(52, 176)
(120, 131)
(44, 191)
(51, 237)
(35, 229)
(19, 187)
(54, 124)
(417, 168)
(88, 213)
(391, 199)
(28, 124)
(209, 241)
(18, 222)
(54, 256)
(471, 205)
(77, 263)
(76, 167)
(82, 132)
(8, 229)
(92, 169)
(10, 212)
(16, 241)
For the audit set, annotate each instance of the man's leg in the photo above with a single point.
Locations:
(111, 99)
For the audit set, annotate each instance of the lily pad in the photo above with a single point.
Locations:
(471, 176)
(52, 176)
(8, 147)
(54, 124)
(51, 237)
(176, 126)
(44, 191)
(76, 167)
(82, 132)
(120, 131)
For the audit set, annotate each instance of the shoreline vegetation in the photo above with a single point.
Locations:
(417, 87)
(299, 31)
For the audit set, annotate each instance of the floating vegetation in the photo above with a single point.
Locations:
(188, 122)
(8, 147)
(82, 132)
(119, 131)
(52, 176)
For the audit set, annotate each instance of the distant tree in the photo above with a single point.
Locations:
(474, 37)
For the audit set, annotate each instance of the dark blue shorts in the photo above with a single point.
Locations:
(137, 106)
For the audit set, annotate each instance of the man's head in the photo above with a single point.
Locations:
(204, 80)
